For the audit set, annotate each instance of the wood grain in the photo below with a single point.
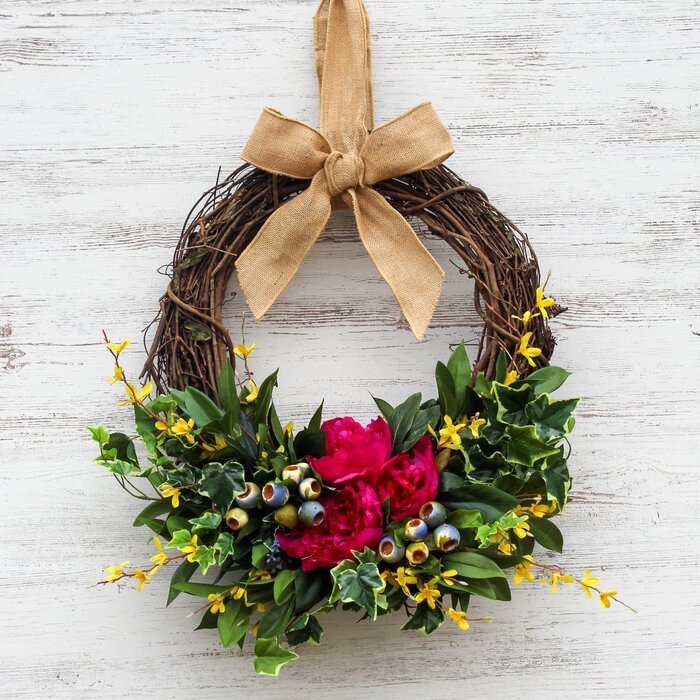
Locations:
(579, 118)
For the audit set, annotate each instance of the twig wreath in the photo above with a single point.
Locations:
(431, 502)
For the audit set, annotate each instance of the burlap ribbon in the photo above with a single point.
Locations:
(343, 159)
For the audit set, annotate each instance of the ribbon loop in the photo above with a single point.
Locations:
(345, 157)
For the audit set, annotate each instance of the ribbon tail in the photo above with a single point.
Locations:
(274, 256)
(402, 260)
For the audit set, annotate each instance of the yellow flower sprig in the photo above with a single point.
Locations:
(142, 575)
(529, 352)
(556, 576)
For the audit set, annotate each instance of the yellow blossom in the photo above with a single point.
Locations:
(505, 547)
(449, 435)
(526, 317)
(522, 571)
(142, 577)
(117, 376)
(115, 572)
(116, 348)
(474, 425)
(555, 578)
(238, 592)
(587, 581)
(404, 578)
(162, 426)
(190, 549)
(605, 598)
(135, 395)
(388, 577)
(289, 428)
(428, 593)
(219, 444)
(253, 392)
(542, 302)
(511, 377)
(172, 492)
(460, 618)
(161, 557)
(447, 577)
(217, 603)
(243, 351)
(260, 575)
(261, 607)
(528, 352)
(184, 428)
(521, 529)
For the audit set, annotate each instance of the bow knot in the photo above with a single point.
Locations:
(346, 156)
(344, 171)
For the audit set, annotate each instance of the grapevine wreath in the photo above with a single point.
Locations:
(424, 508)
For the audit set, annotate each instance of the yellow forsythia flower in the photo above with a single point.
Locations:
(172, 492)
(526, 317)
(142, 577)
(161, 557)
(243, 351)
(428, 593)
(219, 444)
(511, 377)
(184, 428)
(136, 395)
(474, 425)
(522, 571)
(528, 352)
(115, 572)
(217, 602)
(190, 549)
(542, 302)
(117, 376)
(460, 618)
(605, 598)
(254, 390)
(116, 348)
(447, 577)
(449, 435)
(289, 428)
(404, 578)
(587, 581)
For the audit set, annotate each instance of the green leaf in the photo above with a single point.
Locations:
(222, 483)
(226, 390)
(402, 418)
(283, 588)
(493, 588)
(224, 546)
(198, 331)
(425, 619)
(182, 574)
(463, 519)
(201, 408)
(232, 624)
(461, 370)
(262, 403)
(270, 656)
(546, 533)
(424, 418)
(315, 422)
(201, 590)
(310, 443)
(512, 403)
(385, 408)
(161, 404)
(310, 588)
(120, 467)
(307, 629)
(360, 585)
(207, 521)
(446, 390)
(275, 619)
(180, 540)
(99, 434)
(525, 447)
(472, 565)
(547, 379)
(501, 367)
(491, 502)
(205, 557)
(151, 511)
(551, 418)
(122, 447)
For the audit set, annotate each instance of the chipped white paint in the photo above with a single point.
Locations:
(580, 119)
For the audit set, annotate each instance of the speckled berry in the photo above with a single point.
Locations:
(417, 553)
(446, 537)
(287, 516)
(390, 551)
(311, 514)
(310, 489)
(433, 513)
(250, 498)
(275, 495)
(236, 518)
(294, 473)
(416, 530)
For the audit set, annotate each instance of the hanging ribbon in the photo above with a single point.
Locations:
(343, 159)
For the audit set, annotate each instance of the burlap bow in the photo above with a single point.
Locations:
(343, 159)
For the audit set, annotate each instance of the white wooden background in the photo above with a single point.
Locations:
(579, 118)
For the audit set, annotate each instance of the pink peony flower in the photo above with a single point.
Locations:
(409, 480)
(353, 451)
(353, 521)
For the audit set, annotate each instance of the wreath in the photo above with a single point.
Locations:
(428, 505)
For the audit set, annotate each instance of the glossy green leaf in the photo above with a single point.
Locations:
(201, 408)
(232, 624)
(222, 483)
(525, 447)
(546, 533)
(182, 574)
(270, 656)
(283, 587)
(425, 619)
(547, 379)
(472, 565)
